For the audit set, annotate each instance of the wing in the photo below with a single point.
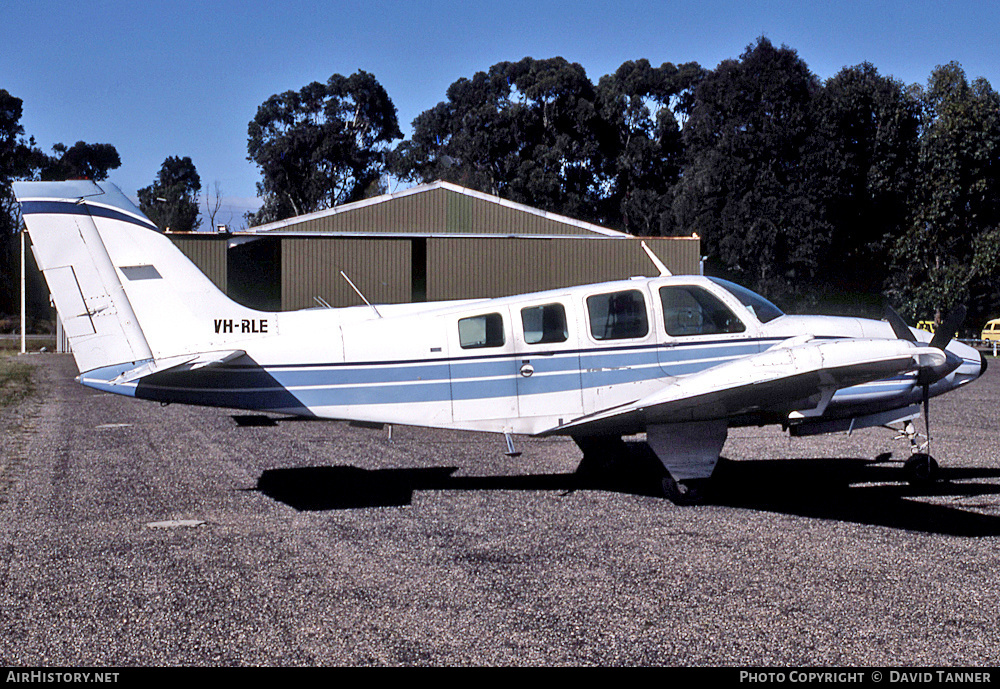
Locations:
(797, 377)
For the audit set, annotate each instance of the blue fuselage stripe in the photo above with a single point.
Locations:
(441, 380)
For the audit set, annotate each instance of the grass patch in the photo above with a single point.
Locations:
(12, 345)
(15, 380)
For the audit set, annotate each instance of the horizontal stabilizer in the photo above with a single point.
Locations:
(186, 362)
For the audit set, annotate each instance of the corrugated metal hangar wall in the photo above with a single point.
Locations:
(433, 242)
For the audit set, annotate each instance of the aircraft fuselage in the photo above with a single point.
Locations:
(522, 364)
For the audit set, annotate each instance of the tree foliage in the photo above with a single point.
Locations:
(871, 125)
(756, 174)
(321, 146)
(806, 191)
(527, 131)
(942, 259)
(17, 158)
(540, 133)
(21, 159)
(171, 202)
(79, 161)
(641, 107)
(15, 163)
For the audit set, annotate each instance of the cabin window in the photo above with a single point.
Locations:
(690, 310)
(543, 324)
(618, 316)
(481, 331)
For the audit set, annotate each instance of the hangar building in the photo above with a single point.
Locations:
(427, 243)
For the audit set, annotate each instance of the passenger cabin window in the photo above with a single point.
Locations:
(691, 310)
(543, 324)
(618, 316)
(481, 331)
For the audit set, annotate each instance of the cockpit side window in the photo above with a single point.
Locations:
(691, 310)
(618, 315)
(763, 310)
(481, 331)
(544, 324)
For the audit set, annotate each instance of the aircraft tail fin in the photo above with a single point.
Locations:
(124, 292)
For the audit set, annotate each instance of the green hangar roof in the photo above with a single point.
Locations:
(438, 208)
(432, 242)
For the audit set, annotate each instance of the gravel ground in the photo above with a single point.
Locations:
(133, 534)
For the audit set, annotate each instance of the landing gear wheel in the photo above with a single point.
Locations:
(920, 469)
(683, 493)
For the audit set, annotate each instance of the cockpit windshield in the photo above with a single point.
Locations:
(761, 308)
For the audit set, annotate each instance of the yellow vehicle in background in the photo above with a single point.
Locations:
(991, 331)
(929, 326)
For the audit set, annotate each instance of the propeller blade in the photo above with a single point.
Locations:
(927, 415)
(949, 327)
(899, 326)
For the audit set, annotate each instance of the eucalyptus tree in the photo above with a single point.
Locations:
(21, 159)
(871, 125)
(528, 131)
(943, 258)
(16, 154)
(171, 202)
(642, 108)
(322, 145)
(755, 181)
(79, 161)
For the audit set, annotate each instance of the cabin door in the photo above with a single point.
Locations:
(482, 367)
(548, 362)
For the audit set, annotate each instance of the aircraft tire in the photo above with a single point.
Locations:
(683, 493)
(920, 469)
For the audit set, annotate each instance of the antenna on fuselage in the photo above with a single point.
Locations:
(656, 261)
(355, 288)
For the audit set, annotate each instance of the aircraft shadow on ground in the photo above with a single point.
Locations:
(863, 492)
(844, 489)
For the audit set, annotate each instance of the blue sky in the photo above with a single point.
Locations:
(184, 78)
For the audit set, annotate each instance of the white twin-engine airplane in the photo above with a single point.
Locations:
(680, 358)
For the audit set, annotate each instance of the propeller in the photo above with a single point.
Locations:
(899, 326)
(949, 328)
(926, 376)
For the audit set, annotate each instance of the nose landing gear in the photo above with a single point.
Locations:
(920, 468)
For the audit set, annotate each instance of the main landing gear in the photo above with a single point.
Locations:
(684, 493)
(692, 469)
